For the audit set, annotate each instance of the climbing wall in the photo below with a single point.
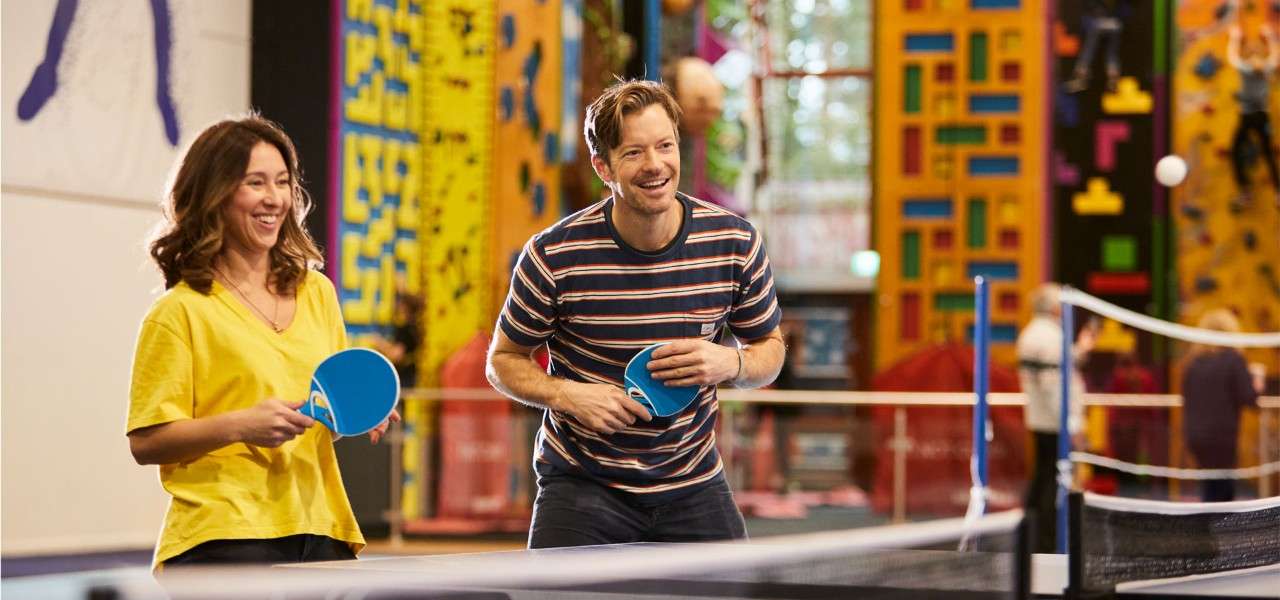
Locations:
(1228, 256)
(526, 173)
(379, 230)
(377, 160)
(959, 180)
(458, 99)
(1109, 129)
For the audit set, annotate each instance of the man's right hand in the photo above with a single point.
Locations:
(602, 408)
(272, 422)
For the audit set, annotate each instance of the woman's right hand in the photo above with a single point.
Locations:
(272, 422)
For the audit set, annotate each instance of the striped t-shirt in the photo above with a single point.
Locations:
(596, 302)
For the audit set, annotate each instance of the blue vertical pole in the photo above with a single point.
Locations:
(1064, 433)
(653, 40)
(981, 339)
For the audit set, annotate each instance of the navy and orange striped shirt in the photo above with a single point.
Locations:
(596, 302)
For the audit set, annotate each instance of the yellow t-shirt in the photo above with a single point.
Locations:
(201, 355)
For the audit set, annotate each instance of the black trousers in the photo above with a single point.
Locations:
(1260, 123)
(292, 549)
(1042, 493)
(572, 511)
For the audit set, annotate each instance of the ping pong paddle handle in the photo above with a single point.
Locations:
(638, 395)
(314, 408)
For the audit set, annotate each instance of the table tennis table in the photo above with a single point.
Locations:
(406, 577)
(1048, 579)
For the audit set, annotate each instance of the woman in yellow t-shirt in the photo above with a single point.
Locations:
(225, 357)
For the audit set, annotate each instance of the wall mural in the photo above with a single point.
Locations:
(959, 184)
(1110, 115)
(374, 248)
(44, 81)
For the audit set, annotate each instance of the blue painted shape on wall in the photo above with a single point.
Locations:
(927, 208)
(994, 4)
(993, 166)
(1002, 333)
(929, 42)
(1007, 271)
(993, 103)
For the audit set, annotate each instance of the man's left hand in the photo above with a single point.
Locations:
(693, 362)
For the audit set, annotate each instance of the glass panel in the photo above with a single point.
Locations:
(817, 36)
(819, 129)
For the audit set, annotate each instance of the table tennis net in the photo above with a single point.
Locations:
(906, 561)
(1117, 540)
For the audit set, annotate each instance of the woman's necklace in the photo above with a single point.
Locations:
(274, 320)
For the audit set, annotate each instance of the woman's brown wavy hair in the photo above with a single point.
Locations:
(208, 175)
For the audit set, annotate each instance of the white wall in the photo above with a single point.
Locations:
(81, 182)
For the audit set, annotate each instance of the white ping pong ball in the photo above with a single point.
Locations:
(1171, 170)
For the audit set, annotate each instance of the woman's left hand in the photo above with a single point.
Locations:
(376, 433)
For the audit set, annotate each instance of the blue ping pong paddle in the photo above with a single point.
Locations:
(662, 401)
(352, 391)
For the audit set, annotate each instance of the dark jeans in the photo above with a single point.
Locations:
(572, 511)
(292, 549)
(1042, 494)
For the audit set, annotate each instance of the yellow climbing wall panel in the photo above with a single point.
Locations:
(458, 63)
(458, 146)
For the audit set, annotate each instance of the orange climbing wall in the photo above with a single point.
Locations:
(526, 173)
(1225, 257)
(959, 175)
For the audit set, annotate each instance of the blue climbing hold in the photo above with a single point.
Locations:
(506, 103)
(508, 31)
(1207, 66)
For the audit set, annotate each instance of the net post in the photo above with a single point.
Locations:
(1075, 549)
(1064, 434)
(1024, 543)
(981, 352)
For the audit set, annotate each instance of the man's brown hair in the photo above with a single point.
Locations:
(603, 125)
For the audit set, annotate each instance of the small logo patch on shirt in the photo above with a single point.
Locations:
(708, 328)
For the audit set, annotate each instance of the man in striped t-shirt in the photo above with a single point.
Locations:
(646, 265)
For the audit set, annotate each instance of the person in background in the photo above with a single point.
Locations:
(1257, 62)
(1216, 386)
(1136, 434)
(1039, 349)
(224, 359)
(406, 337)
(1100, 19)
